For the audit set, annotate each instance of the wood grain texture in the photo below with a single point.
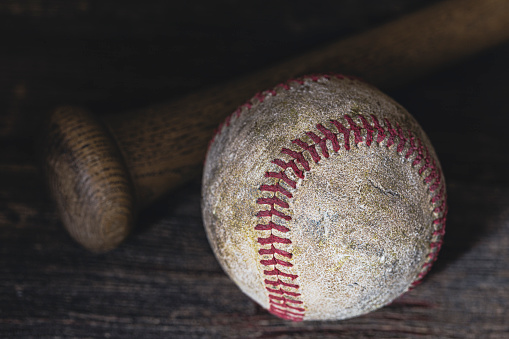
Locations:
(88, 178)
(164, 281)
(164, 143)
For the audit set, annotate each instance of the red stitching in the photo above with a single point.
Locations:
(290, 164)
(274, 239)
(439, 196)
(287, 307)
(323, 142)
(279, 273)
(275, 261)
(272, 201)
(275, 306)
(279, 282)
(394, 135)
(282, 291)
(262, 96)
(402, 139)
(442, 207)
(285, 300)
(272, 212)
(287, 312)
(369, 130)
(282, 176)
(438, 181)
(345, 131)
(297, 156)
(276, 188)
(274, 250)
(421, 150)
(310, 148)
(356, 129)
(270, 226)
(380, 130)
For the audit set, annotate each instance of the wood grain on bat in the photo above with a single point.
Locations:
(93, 166)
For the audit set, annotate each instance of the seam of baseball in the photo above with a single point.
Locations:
(260, 97)
(424, 163)
(284, 301)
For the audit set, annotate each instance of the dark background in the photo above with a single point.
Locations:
(164, 280)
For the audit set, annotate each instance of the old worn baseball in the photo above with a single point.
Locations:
(323, 199)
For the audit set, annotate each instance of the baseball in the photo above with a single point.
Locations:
(323, 199)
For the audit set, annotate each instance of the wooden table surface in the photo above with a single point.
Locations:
(164, 281)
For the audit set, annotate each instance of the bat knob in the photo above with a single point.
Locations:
(88, 179)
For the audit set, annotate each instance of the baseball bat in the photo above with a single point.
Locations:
(101, 172)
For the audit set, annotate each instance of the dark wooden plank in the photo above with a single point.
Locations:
(165, 282)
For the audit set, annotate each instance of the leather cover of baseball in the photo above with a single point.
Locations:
(323, 199)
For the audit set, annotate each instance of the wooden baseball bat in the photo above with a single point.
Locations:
(102, 171)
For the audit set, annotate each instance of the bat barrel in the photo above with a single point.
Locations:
(101, 172)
